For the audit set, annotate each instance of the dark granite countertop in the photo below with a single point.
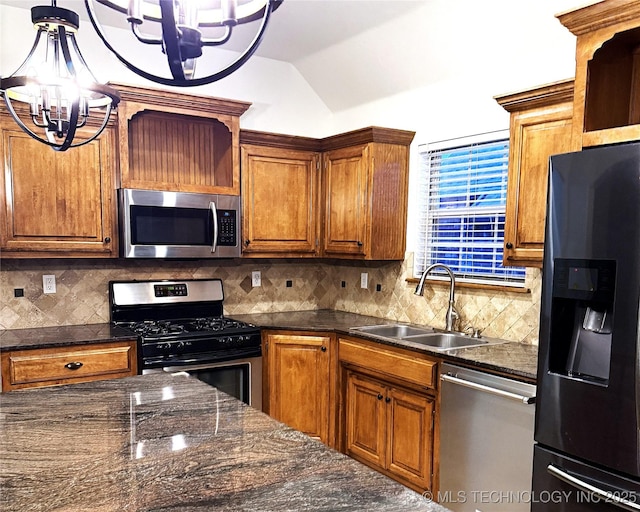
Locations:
(64, 335)
(518, 360)
(172, 443)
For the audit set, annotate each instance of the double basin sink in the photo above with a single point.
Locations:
(440, 341)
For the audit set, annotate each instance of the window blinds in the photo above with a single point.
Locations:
(463, 197)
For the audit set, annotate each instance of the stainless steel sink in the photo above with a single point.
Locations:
(395, 331)
(446, 341)
(436, 340)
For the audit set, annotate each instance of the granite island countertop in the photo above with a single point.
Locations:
(167, 442)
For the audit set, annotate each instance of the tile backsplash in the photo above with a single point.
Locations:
(82, 292)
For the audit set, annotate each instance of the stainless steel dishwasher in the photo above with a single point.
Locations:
(486, 441)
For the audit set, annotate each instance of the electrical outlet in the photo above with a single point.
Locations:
(49, 284)
(256, 278)
(364, 280)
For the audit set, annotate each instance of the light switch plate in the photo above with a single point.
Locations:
(256, 278)
(364, 280)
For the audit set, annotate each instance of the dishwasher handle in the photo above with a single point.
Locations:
(447, 377)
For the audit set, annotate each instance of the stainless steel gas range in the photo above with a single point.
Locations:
(180, 326)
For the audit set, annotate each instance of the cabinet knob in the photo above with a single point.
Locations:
(387, 399)
(107, 240)
(74, 365)
(359, 243)
(323, 348)
(509, 245)
(379, 396)
(247, 242)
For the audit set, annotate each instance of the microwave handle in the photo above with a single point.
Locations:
(214, 212)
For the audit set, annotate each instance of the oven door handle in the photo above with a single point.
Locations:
(610, 497)
(214, 213)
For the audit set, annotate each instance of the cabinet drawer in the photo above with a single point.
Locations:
(66, 365)
(405, 366)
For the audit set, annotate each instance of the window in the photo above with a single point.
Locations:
(463, 196)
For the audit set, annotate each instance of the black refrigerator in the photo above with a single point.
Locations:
(587, 432)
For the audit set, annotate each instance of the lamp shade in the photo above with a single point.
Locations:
(53, 92)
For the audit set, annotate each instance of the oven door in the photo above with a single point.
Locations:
(240, 378)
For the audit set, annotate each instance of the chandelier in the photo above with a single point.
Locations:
(178, 27)
(53, 89)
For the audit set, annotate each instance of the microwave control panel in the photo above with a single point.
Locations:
(227, 227)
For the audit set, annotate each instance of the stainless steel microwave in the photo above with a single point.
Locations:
(160, 224)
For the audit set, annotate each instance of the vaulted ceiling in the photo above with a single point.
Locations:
(356, 51)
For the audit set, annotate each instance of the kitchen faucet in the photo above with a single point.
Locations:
(452, 314)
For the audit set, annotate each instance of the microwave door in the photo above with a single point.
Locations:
(214, 213)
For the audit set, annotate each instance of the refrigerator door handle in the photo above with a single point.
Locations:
(488, 389)
(612, 498)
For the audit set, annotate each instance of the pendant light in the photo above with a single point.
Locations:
(182, 25)
(58, 92)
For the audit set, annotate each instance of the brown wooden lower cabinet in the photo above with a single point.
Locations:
(376, 403)
(387, 422)
(390, 428)
(297, 385)
(42, 367)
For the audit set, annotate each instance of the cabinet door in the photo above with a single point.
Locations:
(346, 189)
(535, 135)
(56, 204)
(279, 201)
(299, 382)
(366, 420)
(410, 425)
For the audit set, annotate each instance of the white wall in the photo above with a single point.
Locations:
(532, 50)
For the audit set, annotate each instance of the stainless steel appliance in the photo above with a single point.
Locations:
(160, 224)
(180, 327)
(587, 456)
(486, 441)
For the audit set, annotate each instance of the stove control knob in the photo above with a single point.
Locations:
(165, 347)
(179, 346)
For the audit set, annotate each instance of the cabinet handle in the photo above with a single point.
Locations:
(509, 245)
(359, 243)
(107, 240)
(379, 396)
(323, 348)
(387, 399)
(74, 365)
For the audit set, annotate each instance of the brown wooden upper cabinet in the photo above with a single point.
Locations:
(340, 197)
(280, 195)
(606, 107)
(540, 126)
(56, 204)
(178, 142)
(365, 186)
